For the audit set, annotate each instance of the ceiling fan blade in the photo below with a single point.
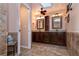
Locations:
(45, 11)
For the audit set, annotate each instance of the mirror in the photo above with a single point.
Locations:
(57, 22)
(40, 24)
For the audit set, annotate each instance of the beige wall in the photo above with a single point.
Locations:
(73, 26)
(13, 17)
(63, 22)
(73, 30)
(14, 22)
(50, 23)
(57, 8)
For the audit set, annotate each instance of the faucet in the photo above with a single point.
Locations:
(56, 30)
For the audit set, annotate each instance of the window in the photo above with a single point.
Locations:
(45, 5)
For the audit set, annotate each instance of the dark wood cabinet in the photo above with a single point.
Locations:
(53, 38)
(45, 37)
(12, 49)
(57, 38)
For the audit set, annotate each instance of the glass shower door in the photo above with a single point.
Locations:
(3, 29)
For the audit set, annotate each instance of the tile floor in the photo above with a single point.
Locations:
(40, 49)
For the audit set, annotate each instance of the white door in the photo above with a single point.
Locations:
(24, 14)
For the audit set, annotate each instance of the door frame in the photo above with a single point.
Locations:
(29, 27)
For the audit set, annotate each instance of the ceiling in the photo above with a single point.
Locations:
(56, 8)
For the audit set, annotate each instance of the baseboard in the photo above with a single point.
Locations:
(16, 54)
(24, 47)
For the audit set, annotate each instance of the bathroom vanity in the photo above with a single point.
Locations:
(56, 35)
(57, 38)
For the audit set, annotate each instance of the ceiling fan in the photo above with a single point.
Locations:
(43, 12)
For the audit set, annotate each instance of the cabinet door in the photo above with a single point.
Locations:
(61, 38)
(37, 37)
(42, 37)
(34, 36)
(53, 37)
(46, 37)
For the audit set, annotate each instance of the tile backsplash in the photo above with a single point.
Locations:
(73, 43)
(3, 29)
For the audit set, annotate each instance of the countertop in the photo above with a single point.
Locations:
(50, 31)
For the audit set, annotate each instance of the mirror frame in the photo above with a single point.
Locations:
(38, 24)
(60, 22)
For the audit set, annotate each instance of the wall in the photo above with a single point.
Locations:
(13, 17)
(34, 24)
(63, 23)
(14, 22)
(3, 28)
(34, 27)
(56, 8)
(73, 30)
(74, 19)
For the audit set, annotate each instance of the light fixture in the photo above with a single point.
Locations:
(41, 17)
(38, 18)
(57, 14)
